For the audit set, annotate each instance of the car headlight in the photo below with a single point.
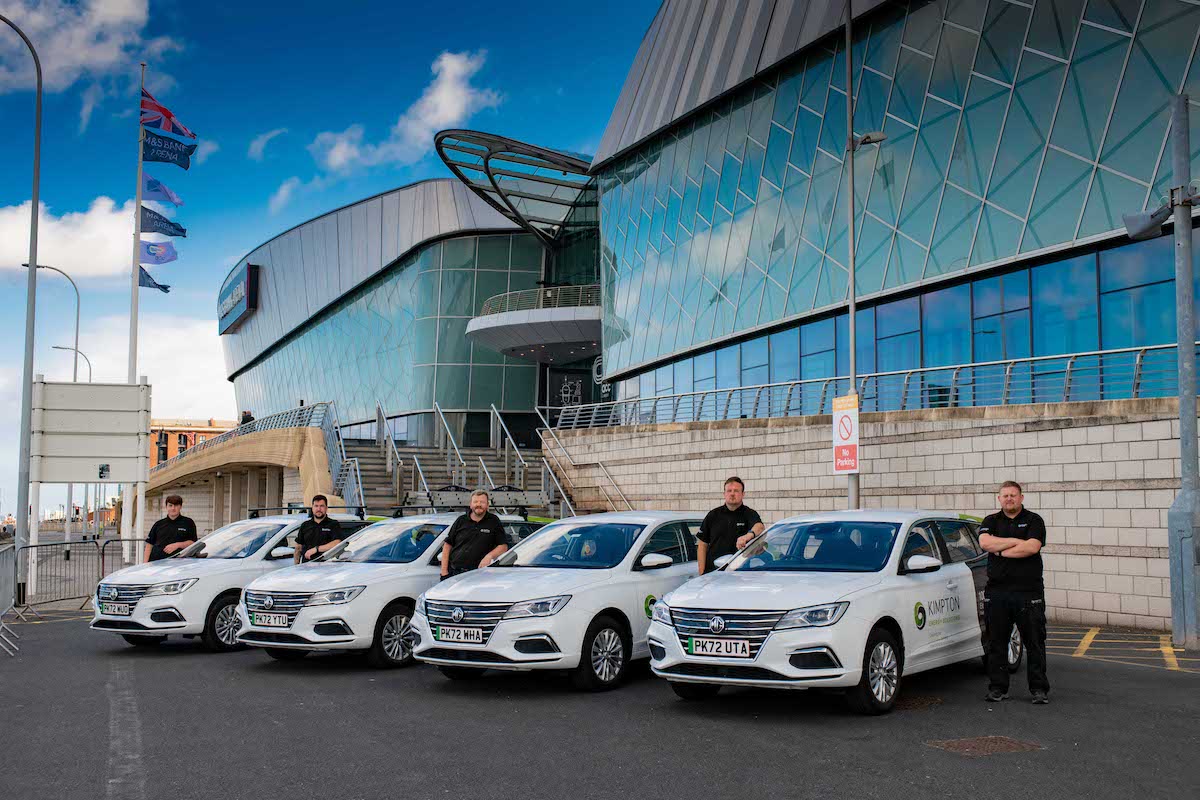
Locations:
(421, 604)
(542, 607)
(812, 616)
(174, 587)
(335, 596)
(662, 613)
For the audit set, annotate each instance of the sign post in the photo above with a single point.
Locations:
(845, 435)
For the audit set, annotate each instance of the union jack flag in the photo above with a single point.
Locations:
(156, 115)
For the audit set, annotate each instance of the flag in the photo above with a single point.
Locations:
(157, 253)
(154, 222)
(154, 189)
(166, 149)
(156, 115)
(146, 281)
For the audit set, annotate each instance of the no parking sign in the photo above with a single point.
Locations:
(845, 434)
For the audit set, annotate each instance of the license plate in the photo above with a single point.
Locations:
(269, 620)
(116, 609)
(721, 648)
(444, 633)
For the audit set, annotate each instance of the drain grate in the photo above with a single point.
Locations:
(917, 702)
(985, 746)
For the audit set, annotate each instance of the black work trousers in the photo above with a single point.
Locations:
(1027, 610)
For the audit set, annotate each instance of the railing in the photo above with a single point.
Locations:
(347, 481)
(546, 470)
(550, 297)
(8, 597)
(387, 449)
(544, 429)
(510, 446)
(449, 446)
(1119, 374)
(419, 473)
(303, 417)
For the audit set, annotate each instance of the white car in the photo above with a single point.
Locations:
(854, 599)
(576, 595)
(358, 596)
(195, 592)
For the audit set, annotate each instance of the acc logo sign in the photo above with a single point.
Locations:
(650, 600)
(919, 616)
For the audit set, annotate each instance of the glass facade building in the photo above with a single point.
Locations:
(988, 224)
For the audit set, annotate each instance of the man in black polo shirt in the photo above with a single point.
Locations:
(1015, 593)
(727, 528)
(475, 539)
(170, 534)
(319, 533)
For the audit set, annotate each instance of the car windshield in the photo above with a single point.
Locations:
(390, 542)
(238, 540)
(837, 546)
(574, 545)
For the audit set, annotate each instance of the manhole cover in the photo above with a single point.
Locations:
(985, 746)
(917, 702)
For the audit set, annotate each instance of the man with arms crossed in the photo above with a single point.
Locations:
(1015, 593)
(475, 539)
(727, 528)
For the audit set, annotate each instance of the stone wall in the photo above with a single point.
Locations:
(1102, 475)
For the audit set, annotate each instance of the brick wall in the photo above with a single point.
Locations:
(1101, 474)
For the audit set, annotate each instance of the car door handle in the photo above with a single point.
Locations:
(952, 585)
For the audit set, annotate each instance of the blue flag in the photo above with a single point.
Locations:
(167, 150)
(146, 281)
(157, 253)
(154, 189)
(154, 222)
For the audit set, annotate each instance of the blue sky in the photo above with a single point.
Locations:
(351, 96)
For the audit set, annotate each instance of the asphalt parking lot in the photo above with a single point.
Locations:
(83, 715)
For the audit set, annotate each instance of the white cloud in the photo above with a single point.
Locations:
(207, 148)
(448, 101)
(283, 194)
(260, 143)
(83, 243)
(93, 39)
(92, 96)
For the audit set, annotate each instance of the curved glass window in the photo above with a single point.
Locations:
(389, 542)
(841, 546)
(239, 540)
(574, 545)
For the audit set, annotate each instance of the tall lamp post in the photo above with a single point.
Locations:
(78, 353)
(1183, 518)
(30, 304)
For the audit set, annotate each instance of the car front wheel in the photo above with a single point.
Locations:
(880, 682)
(392, 645)
(604, 658)
(222, 624)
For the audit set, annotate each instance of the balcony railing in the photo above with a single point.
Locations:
(550, 297)
(1127, 373)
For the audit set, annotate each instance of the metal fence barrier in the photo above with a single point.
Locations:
(51, 577)
(8, 597)
(112, 556)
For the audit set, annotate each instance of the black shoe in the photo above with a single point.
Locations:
(994, 696)
(1040, 699)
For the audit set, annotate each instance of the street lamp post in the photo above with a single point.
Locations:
(78, 353)
(23, 533)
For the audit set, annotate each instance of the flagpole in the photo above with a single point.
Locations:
(127, 507)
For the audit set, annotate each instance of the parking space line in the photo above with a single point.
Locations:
(1086, 642)
(1168, 652)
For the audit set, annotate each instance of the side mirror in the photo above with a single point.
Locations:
(656, 561)
(723, 560)
(922, 564)
(281, 552)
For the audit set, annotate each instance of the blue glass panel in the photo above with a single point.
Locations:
(1136, 264)
(923, 25)
(832, 286)
(906, 264)
(1164, 178)
(674, 203)
(787, 94)
(426, 295)
(912, 78)
(729, 181)
(886, 30)
(953, 65)
(778, 144)
(739, 123)
(1110, 197)
(1088, 96)
(699, 146)
(804, 279)
(458, 292)
(1064, 304)
(864, 336)
(761, 239)
(872, 102)
(1055, 210)
(820, 204)
(739, 243)
(1138, 317)
(1119, 14)
(986, 297)
(657, 220)
(1156, 64)
(751, 170)
(836, 243)
(753, 281)
(817, 337)
(691, 202)
(1025, 131)
(1016, 290)
(928, 173)
(1053, 28)
(837, 76)
(955, 229)
(760, 112)
(804, 143)
(708, 193)
(968, 13)
(945, 316)
(785, 355)
(975, 148)
(891, 170)
(997, 236)
(833, 134)
(816, 79)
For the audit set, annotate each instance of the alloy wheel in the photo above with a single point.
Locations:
(1015, 646)
(608, 655)
(397, 638)
(227, 625)
(884, 672)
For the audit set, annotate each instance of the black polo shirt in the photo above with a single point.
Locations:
(314, 534)
(722, 528)
(169, 531)
(1015, 574)
(470, 541)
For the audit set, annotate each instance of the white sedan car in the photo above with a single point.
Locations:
(195, 592)
(854, 599)
(576, 595)
(358, 596)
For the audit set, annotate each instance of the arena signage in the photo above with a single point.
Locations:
(238, 298)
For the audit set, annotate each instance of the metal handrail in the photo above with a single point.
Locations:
(387, 446)
(303, 417)
(964, 378)
(607, 474)
(549, 297)
(508, 436)
(453, 446)
(417, 471)
(550, 428)
(557, 485)
(486, 473)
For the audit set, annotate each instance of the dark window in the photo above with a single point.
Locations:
(956, 536)
(919, 543)
(690, 529)
(664, 541)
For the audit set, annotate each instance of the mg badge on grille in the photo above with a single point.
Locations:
(109, 593)
(268, 602)
(457, 615)
(716, 625)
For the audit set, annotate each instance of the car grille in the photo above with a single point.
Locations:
(753, 626)
(472, 656)
(288, 603)
(731, 672)
(125, 593)
(475, 615)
